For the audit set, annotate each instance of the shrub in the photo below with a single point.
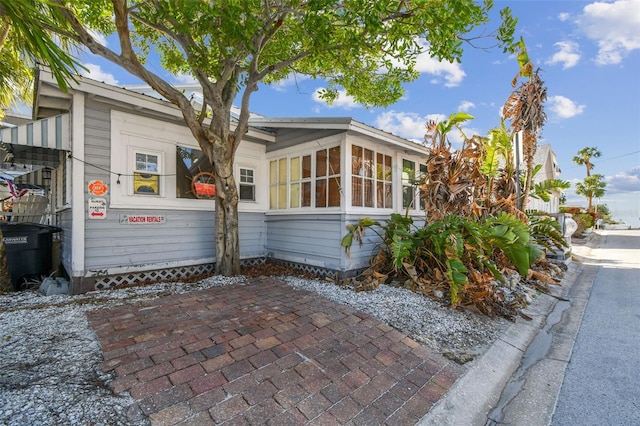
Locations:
(584, 221)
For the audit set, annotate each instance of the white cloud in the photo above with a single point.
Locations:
(564, 107)
(451, 71)
(624, 181)
(95, 72)
(466, 106)
(568, 54)
(409, 125)
(412, 126)
(564, 16)
(343, 101)
(614, 27)
(291, 80)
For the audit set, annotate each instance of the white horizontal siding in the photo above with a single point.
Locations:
(307, 239)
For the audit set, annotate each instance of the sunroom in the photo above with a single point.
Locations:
(326, 173)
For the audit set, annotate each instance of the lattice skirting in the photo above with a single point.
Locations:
(175, 274)
(314, 270)
(170, 274)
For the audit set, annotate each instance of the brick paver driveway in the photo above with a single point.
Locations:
(265, 353)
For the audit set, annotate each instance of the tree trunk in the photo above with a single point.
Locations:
(226, 220)
(5, 279)
(529, 150)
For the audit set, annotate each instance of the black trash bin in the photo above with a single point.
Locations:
(28, 247)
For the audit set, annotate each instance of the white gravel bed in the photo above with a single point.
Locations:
(50, 358)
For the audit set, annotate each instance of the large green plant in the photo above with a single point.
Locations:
(545, 231)
(511, 236)
(463, 251)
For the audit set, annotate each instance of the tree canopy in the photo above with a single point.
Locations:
(366, 47)
(584, 157)
(592, 187)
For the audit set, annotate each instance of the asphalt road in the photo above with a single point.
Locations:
(602, 379)
(583, 366)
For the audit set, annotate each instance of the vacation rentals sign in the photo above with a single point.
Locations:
(142, 219)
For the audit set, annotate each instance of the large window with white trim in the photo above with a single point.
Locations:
(328, 187)
(311, 180)
(194, 174)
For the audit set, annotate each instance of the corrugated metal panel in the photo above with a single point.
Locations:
(38, 133)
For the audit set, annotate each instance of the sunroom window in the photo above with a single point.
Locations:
(328, 177)
(370, 178)
(412, 197)
(300, 188)
(293, 183)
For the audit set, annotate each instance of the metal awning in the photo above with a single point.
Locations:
(52, 133)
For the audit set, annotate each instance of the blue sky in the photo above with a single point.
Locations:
(589, 56)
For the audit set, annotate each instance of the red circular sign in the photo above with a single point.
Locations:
(98, 187)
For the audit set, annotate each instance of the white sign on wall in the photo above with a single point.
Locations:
(142, 219)
(97, 208)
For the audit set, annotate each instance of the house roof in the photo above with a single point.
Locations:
(50, 100)
(542, 154)
(338, 123)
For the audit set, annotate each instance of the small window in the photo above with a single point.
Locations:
(421, 182)
(247, 185)
(413, 176)
(408, 184)
(146, 177)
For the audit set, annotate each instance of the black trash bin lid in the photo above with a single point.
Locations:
(29, 226)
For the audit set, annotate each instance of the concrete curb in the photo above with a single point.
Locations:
(470, 400)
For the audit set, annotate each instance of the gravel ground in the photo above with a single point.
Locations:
(50, 357)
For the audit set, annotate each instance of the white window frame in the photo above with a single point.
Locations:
(251, 184)
(308, 149)
(374, 177)
(416, 205)
(131, 133)
(134, 170)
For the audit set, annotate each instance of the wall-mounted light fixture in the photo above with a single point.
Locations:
(46, 178)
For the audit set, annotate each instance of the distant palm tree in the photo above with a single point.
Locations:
(592, 187)
(584, 158)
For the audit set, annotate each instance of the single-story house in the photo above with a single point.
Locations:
(130, 188)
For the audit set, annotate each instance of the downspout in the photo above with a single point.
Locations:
(78, 201)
